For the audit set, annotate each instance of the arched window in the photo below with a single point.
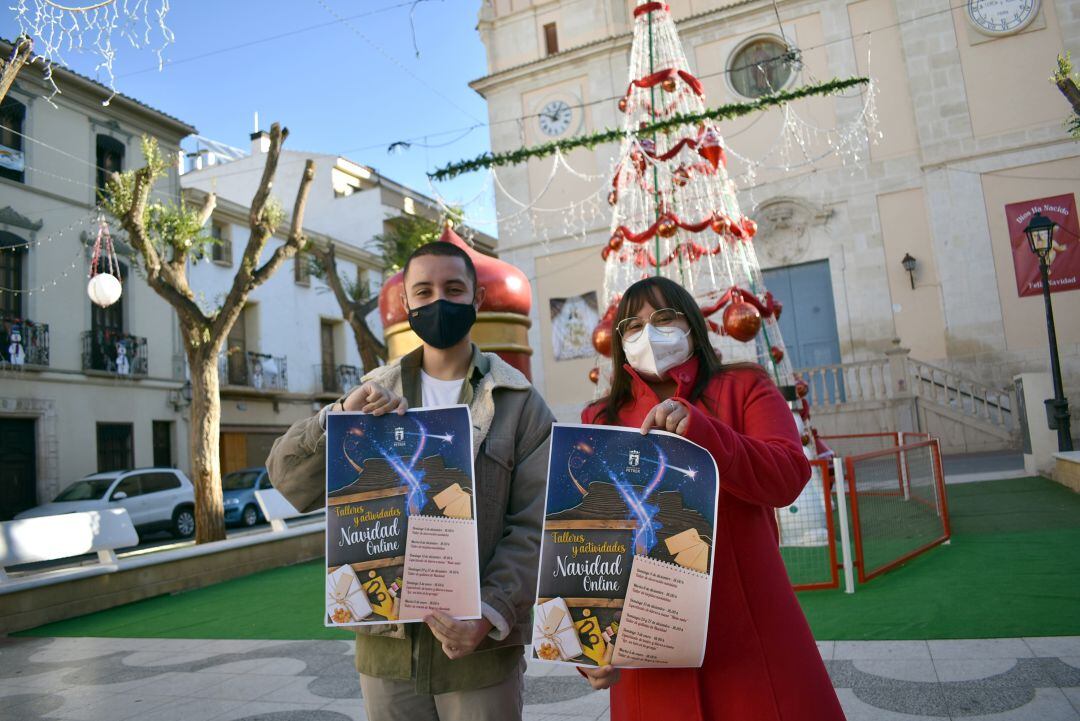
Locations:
(12, 251)
(759, 67)
(110, 159)
(12, 116)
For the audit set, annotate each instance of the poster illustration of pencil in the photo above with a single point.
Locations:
(626, 557)
(400, 517)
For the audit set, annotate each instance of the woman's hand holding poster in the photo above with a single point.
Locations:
(400, 517)
(627, 555)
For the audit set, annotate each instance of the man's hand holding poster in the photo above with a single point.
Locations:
(401, 517)
(626, 557)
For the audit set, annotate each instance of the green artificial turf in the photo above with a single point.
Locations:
(279, 604)
(1012, 569)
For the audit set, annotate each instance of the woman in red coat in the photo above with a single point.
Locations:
(761, 663)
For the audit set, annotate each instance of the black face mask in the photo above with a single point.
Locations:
(442, 324)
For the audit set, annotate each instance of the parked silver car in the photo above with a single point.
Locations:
(156, 499)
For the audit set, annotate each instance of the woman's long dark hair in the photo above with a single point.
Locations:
(660, 293)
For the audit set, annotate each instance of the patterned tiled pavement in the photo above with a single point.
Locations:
(99, 679)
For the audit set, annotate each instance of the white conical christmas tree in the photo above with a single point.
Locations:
(674, 207)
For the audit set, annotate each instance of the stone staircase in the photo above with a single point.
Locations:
(900, 393)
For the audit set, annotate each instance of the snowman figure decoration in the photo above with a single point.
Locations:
(16, 352)
(257, 374)
(123, 365)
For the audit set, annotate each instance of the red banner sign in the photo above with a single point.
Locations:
(1064, 258)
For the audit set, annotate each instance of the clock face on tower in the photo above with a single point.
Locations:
(1001, 17)
(555, 118)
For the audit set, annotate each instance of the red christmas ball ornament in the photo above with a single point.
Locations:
(749, 227)
(594, 375)
(601, 337)
(681, 176)
(777, 307)
(777, 354)
(669, 85)
(612, 197)
(742, 321)
(667, 227)
(616, 240)
(801, 388)
(612, 309)
(622, 105)
(720, 224)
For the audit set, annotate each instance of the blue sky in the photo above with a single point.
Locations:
(336, 91)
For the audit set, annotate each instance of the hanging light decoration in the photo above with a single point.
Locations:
(96, 27)
(104, 287)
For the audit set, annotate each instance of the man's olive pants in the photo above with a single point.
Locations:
(390, 700)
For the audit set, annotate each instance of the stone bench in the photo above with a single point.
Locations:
(276, 509)
(50, 538)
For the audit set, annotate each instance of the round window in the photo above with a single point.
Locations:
(760, 67)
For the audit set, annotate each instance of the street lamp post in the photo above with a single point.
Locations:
(1040, 235)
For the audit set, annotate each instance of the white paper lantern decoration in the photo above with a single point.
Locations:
(104, 289)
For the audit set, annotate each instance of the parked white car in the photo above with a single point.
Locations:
(156, 499)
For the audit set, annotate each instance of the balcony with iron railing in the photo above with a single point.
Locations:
(24, 344)
(334, 380)
(259, 372)
(115, 353)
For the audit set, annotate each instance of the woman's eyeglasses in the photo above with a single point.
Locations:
(663, 320)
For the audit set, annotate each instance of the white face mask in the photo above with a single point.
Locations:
(655, 352)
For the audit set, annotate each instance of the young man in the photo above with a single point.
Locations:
(448, 670)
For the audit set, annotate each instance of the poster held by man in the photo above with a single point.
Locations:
(401, 517)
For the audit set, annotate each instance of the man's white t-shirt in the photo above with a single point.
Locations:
(437, 392)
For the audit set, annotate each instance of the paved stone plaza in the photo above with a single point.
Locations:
(96, 679)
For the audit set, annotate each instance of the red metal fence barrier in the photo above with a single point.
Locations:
(898, 505)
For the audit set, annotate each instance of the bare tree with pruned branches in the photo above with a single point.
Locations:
(356, 301)
(165, 237)
(402, 236)
(20, 54)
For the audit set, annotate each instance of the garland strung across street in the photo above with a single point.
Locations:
(662, 125)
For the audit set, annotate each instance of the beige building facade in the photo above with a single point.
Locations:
(84, 389)
(968, 123)
(69, 405)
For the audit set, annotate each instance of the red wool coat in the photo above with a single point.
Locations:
(761, 663)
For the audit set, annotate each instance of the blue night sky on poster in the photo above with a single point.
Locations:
(592, 453)
(446, 432)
